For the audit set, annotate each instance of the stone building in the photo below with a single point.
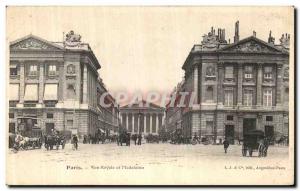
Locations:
(109, 116)
(54, 84)
(239, 86)
(142, 117)
(173, 113)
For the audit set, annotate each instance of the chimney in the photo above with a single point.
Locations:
(223, 34)
(236, 34)
(254, 33)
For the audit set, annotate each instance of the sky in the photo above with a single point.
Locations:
(142, 49)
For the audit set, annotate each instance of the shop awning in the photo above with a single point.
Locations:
(50, 92)
(31, 92)
(14, 92)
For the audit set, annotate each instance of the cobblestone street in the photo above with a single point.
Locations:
(144, 161)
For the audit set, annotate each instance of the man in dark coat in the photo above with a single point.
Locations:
(226, 145)
(75, 141)
(134, 137)
(140, 139)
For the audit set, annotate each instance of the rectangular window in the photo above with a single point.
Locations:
(50, 115)
(11, 115)
(267, 100)
(13, 103)
(33, 70)
(248, 97)
(229, 72)
(52, 70)
(12, 127)
(228, 99)
(268, 72)
(229, 117)
(248, 72)
(13, 70)
(69, 124)
(209, 126)
(268, 76)
(269, 118)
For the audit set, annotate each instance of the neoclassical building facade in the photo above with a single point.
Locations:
(54, 84)
(142, 117)
(239, 86)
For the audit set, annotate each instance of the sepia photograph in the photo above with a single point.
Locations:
(150, 95)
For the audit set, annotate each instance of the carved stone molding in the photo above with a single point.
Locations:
(71, 69)
(31, 44)
(251, 47)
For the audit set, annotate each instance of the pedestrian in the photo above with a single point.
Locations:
(75, 142)
(226, 145)
(89, 138)
(134, 138)
(140, 139)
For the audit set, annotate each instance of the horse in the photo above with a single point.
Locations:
(21, 141)
(263, 148)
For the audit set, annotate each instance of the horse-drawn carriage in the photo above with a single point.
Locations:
(255, 141)
(27, 136)
(123, 137)
(177, 137)
(56, 141)
(18, 142)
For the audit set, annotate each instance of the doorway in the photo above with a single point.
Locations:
(229, 133)
(249, 124)
(49, 127)
(269, 131)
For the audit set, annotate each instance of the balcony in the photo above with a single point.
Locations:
(14, 77)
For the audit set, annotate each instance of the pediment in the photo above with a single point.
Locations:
(33, 43)
(251, 45)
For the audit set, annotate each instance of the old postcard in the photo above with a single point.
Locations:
(150, 95)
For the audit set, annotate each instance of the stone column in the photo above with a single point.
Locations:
(41, 82)
(240, 85)
(259, 122)
(138, 123)
(157, 123)
(126, 120)
(145, 118)
(61, 77)
(239, 125)
(195, 89)
(22, 81)
(279, 85)
(132, 130)
(121, 119)
(84, 91)
(220, 93)
(150, 122)
(259, 84)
